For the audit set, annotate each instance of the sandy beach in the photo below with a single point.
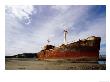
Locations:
(34, 64)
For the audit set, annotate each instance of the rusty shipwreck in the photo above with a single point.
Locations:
(85, 49)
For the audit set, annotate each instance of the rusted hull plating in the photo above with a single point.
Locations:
(87, 49)
(69, 55)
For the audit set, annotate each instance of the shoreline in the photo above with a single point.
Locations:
(34, 64)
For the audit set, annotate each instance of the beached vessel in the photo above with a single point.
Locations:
(85, 49)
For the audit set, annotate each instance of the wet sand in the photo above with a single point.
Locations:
(34, 64)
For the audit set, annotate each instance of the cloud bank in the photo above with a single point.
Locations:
(29, 27)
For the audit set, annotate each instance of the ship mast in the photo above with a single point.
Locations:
(48, 41)
(65, 36)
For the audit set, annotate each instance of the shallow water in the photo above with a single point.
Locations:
(102, 62)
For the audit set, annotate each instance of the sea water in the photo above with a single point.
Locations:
(102, 62)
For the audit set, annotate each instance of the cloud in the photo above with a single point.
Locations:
(21, 12)
(58, 22)
(49, 23)
(60, 8)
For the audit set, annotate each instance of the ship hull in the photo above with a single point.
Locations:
(80, 55)
(84, 50)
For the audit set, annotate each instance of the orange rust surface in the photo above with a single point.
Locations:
(67, 54)
(87, 48)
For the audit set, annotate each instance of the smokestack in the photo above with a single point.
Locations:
(65, 36)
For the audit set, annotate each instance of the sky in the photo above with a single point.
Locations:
(28, 27)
